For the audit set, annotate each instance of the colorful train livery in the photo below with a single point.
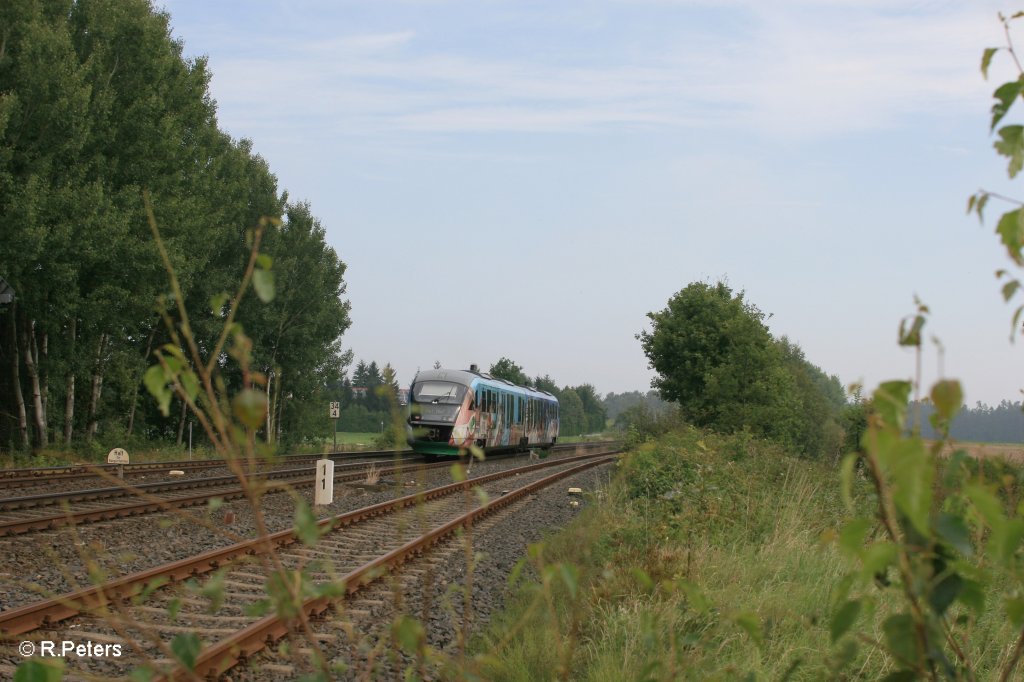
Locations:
(451, 409)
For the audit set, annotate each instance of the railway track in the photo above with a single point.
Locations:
(155, 617)
(27, 513)
(43, 512)
(16, 478)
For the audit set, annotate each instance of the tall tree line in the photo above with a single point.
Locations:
(97, 105)
(1003, 423)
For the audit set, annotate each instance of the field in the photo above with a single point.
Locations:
(1011, 452)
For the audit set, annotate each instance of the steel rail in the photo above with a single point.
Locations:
(45, 613)
(225, 654)
(10, 478)
(155, 504)
(37, 475)
(152, 505)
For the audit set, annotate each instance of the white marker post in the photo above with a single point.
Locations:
(118, 456)
(324, 490)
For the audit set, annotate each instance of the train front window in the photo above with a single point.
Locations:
(441, 392)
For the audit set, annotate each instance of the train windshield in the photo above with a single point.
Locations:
(438, 392)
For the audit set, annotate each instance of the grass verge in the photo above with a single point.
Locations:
(708, 558)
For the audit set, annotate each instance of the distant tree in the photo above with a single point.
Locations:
(571, 415)
(714, 356)
(594, 414)
(617, 403)
(437, 364)
(816, 423)
(546, 383)
(982, 423)
(506, 369)
(388, 388)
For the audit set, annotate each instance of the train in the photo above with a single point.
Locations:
(451, 410)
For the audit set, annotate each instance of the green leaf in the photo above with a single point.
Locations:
(878, 557)
(173, 607)
(843, 619)
(910, 335)
(695, 596)
(263, 282)
(333, 589)
(945, 592)
(972, 595)
(40, 670)
(1006, 539)
(901, 637)
(642, 578)
(751, 624)
(1011, 145)
(1005, 95)
(250, 407)
(257, 609)
(1015, 611)
(953, 530)
(213, 589)
(1010, 288)
(264, 261)
(948, 397)
(570, 578)
(890, 402)
(986, 60)
(517, 570)
(458, 473)
(907, 462)
(185, 647)
(174, 351)
(851, 537)
(143, 673)
(156, 383)
(980, 206)
(217, 302)
(1011, 233)
(306, 526)
(150, 587)
(189, 383)
(986, 504)
(409, 633)
(846, 474)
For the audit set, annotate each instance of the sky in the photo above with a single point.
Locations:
(530, 178)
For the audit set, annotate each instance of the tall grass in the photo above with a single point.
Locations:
(703, 560)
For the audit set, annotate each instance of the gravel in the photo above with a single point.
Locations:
(499, 542)
(45, 563)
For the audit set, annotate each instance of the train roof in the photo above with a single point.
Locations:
(467, 377)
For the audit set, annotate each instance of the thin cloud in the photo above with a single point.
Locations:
(842, 67)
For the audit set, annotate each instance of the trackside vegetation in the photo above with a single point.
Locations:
(716, 359)
(716, 557)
